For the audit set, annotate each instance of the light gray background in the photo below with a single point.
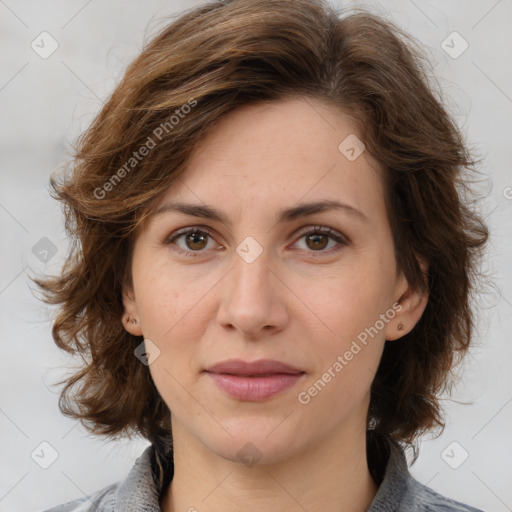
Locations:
(46, 103)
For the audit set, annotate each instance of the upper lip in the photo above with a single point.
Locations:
(260, 367)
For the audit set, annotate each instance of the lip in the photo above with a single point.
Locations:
(254, 381)
(254, 389)
(260, 367)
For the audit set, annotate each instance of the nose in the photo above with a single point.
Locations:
(253, 298)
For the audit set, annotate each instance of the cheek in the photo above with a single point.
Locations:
(166, 297)
(174, 309)
(348, 353)
(349, 301)
(355, 308)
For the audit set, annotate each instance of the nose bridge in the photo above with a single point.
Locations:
(250, 270)
(250, 301)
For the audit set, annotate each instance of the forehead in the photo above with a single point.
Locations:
(279, 153)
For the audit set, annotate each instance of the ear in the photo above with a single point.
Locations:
(131, 318)
(411, 305)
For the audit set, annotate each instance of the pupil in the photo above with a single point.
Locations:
(193, 239)
(315, 239)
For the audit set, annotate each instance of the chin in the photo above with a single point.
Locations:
(253, 442)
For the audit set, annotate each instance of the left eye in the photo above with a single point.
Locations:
(316, 239)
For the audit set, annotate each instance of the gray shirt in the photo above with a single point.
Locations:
(153, 470)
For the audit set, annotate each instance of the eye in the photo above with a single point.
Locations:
(196, 240)
(317, 239)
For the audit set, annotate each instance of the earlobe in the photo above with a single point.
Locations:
(130, 318)
(412, 305)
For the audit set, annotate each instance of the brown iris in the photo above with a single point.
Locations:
(316, 238)
(197, 238)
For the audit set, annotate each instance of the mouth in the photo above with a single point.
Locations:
(254, 388)
(253, 381)
(260, 368)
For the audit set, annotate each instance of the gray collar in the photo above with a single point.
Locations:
(154, 469)
(398, 490)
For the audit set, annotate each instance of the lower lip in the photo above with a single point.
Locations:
(254, 389)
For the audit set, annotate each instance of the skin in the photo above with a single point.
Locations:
(297, 302)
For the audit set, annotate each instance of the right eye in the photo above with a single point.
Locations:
(195, 240)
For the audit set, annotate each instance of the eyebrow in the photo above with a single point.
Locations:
(285, 215)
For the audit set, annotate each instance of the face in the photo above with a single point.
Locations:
(303, 289)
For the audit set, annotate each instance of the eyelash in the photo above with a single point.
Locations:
(317, 230)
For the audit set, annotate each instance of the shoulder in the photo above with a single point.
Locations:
(138, 491)
(399, 491)
(429, 500)
(100, 501)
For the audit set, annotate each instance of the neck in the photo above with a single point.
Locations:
(330, 476)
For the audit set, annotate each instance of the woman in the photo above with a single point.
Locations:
(273, 264)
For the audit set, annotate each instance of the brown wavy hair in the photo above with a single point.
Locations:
(215, 58)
